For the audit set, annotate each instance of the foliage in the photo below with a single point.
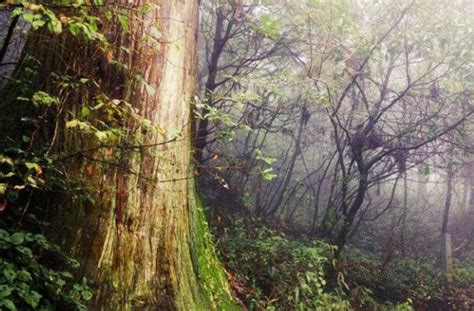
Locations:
(82, 23)
(377, 92)
(463, 284)
(273, 272)
(31, 276)
(420, 284)
(36, 274)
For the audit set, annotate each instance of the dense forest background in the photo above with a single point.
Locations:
(236, 155)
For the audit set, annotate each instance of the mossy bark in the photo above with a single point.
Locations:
(142, 239)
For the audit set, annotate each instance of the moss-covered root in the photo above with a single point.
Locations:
(211, 275)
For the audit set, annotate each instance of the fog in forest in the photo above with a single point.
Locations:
(237, 155)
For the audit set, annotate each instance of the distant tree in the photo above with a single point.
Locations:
(374, 139)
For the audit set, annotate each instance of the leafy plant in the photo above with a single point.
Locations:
(274, 272)
(28, 280)
(401, 280)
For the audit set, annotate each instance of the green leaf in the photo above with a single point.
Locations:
(101, 135)
(74, 29)
(67, 275)
(74, 263)
(4, 235)
(23, 275)
(123, 20)
(87, 295)
(9, 274)
(30, 297)
(32, 181)
(7, 303)
(17, 12)
(148, 88)
(36, 24)
(29, 17)
(6, 160)
(33, 166)
(77, 3)
(55, 26)
(17, 238)
(145, 8)
(77, 123)
(5, 291)
(267, 160)
(268, 174)
(108, 15)
(24, 250)
(43, 98)
(85, 112)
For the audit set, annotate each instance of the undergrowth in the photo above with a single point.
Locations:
(270, 270)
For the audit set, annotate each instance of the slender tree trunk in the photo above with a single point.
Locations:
(289, 173)
(350, 214)
(404, 215)
(447, 203)
(221, 36)
(465, 186)
(341, 236)
(446, 252)
(143, 242)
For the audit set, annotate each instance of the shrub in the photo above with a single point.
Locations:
(274, 272)
(31, 277)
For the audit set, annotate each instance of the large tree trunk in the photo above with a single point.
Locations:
(143, 242)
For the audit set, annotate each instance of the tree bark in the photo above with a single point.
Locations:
(6, 41)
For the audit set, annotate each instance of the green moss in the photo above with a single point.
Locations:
(212, 278)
